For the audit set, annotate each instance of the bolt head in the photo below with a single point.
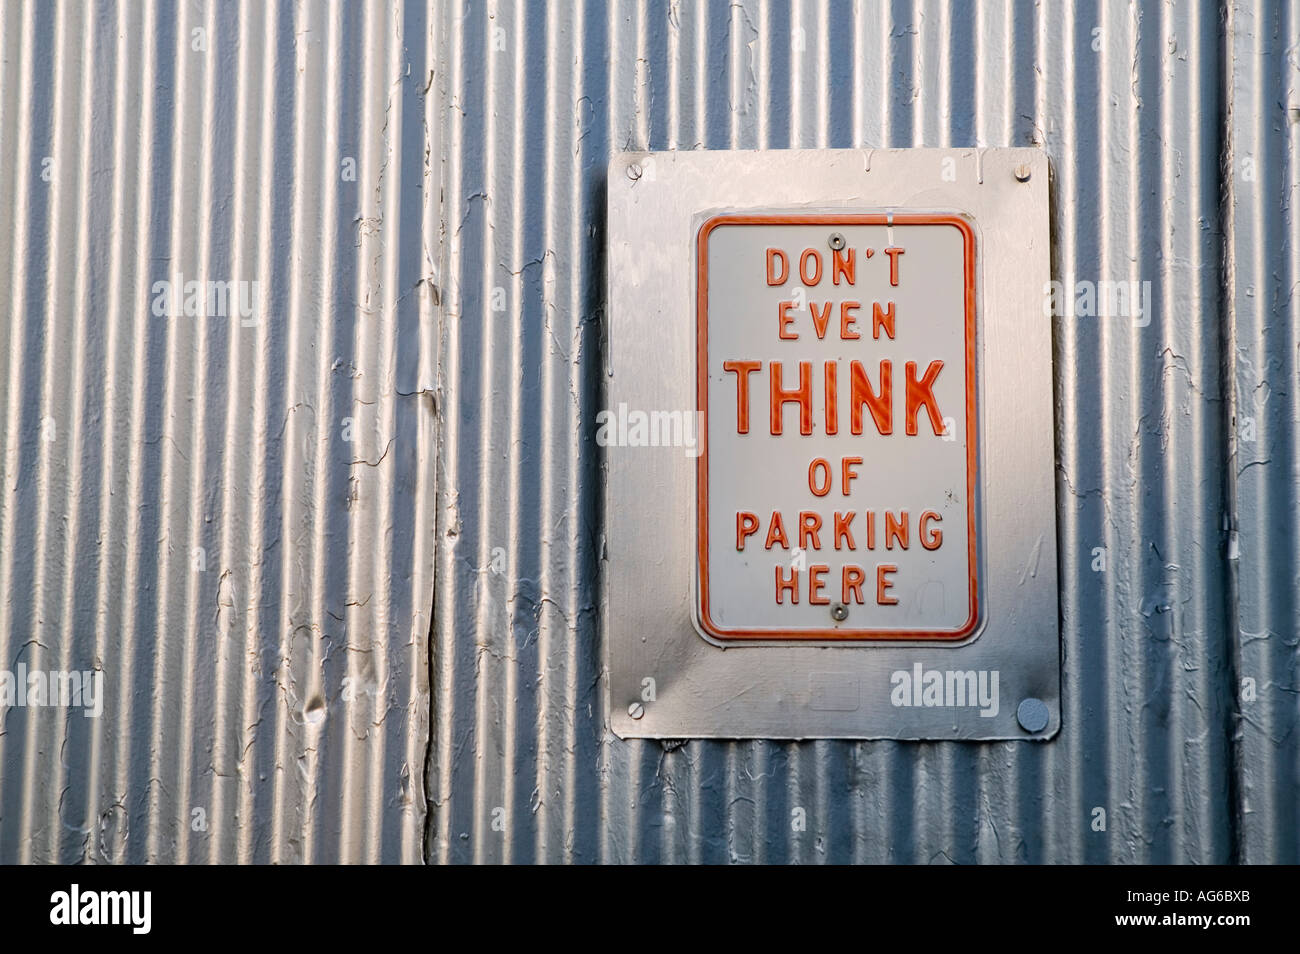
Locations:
(839, 612)
(634, 171)
(1032, 715)
(836, 241)
(636, 710)
(1022, 173)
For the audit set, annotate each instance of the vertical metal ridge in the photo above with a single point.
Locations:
(15, 157)
(107, 482)
(541, 801)
(1263, 264)
(441, 676)
(1227, 384)
(190, 738)
(172, 234)
(228, 701)
(37, 736)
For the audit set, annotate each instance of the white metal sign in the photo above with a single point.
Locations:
(827, 435)
(837, 384)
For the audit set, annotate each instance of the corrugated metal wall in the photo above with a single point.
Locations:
(229, 516)
(244, 525)
(1130, 103)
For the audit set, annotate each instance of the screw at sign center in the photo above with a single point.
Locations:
(839, 612)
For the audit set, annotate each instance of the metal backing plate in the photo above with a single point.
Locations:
(669, 676)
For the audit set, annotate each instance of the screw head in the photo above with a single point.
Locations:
(836, 241)
(1032, 715)
(636, 710)
(1022, 173)
(634, 171)
(839, 612)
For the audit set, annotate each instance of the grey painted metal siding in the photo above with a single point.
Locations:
(245, 526)
(182, 506)
(1127, 101)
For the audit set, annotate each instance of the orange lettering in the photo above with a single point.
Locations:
(832, 398)
(932, 539)
(809, 524)
(803, 266)
(847, 473)
(784, 320)
(816, 584)
(860, 393)
(895, 529)
(847, 331)
(853, 578)
(774, 255)
(776, 532)
(781, 397)
(820, 321)
(893, 254)
(921, 394)
(883, 584)
(843, 530)
(882, 320)
(742, 370)
(842, 263)
(825, 467)
(792, 585)
(746, 526)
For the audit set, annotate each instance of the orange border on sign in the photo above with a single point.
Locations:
(702, 401)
